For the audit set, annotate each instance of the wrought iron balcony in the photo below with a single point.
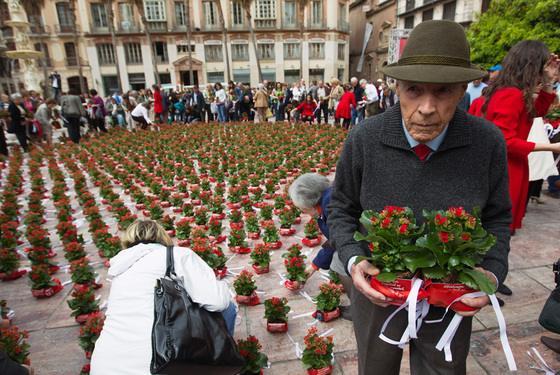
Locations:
(126, 27)
(265, 24)
(66, 29)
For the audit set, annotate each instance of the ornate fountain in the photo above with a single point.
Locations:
(23, 51)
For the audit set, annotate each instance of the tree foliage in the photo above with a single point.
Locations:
(508, 22)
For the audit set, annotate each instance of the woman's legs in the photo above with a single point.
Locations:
(222, 112)
(346, 123)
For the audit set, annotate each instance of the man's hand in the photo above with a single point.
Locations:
(30, 369)
(309, 270)
(479, 302)
(359, 273)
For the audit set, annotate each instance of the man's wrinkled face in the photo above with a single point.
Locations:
(427, 108)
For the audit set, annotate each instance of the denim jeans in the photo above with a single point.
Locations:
(357, 113)
(230, 315)
(221, 112)
(551, 187)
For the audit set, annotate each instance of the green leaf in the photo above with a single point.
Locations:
(477, 280)
(361, 258)
(467, 262)
(454, 261)
(418, 259)
(435, 272)
(386, 277)
(359, 237)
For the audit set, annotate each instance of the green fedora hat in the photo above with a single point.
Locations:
(436, 52)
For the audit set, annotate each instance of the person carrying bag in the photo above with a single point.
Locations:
(550, 314)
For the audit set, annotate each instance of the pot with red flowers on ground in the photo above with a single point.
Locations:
(42, 286)
(201, 216)
(245, 288)
(276, 314)
(215, 231)
(286, 220)
(266, 211)
(90, 332)
(183, 232)
(83, 274)
(155, 211)
(167, 222)
(327, 302)
(217, 208)
(236, 219)
(311, 231)
(295, 273)
(261, 258)
(195, 196)
(271, 236)
(13, 344)
(176, 201)
(317, 356)
(9, 265)
(250, 350)
(234, 197)
(188, 212)
(252, 225)
(83, 303)
(334, 279)
(279, 202)
(236, 241)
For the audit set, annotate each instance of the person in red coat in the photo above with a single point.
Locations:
(509, 104)
(308, 108)
(343, 109)
(158, 106)
(477, 104)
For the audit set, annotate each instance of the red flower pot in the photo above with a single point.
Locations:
(91, 283)
(277, 211)
(236, 225)
(233, 206)
(239, 250)
(260, 270)
(47, 292)
(254, 236)
(293, 285)
(276, 327)
(183, 243)
(146, 213)
(88, 354)
(53, 269)
(140, 206)
(220, 274)
(51, 254)
(196, 202)
(250, 300)
(286, 231)
(127, 191)
(219, 239)
(326, 316)
(82, 319)
(171, 233)
(283, 181)
(177, 210)
(105, 201)
(107, 263)
(320, 371)
(339, 286)
(14, 275)
(442, 295)
(218, 216)
(312, 242)
(297, 220)
(165, 204)
(398, 290)
(274, 245)
(189, 219)
(212, 179)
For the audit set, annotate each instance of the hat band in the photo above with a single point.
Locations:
(434, 60)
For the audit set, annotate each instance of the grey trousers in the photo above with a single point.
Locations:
(375, 356)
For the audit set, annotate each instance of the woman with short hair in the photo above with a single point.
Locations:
(125, 344)
(44, 117)
(18, 120)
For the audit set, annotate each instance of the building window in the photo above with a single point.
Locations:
(98, 15)
(291, 51)
(290, 13)
(316, 13)
(160, 50)
(409, 22)
(381, 37)
(184, 48)
(165, 78)
(154, 10)
(316, 74)
(137, 81)
(110, 84)
(210, 14)
(133, 53)
(269, 75)
(214, 77)
(106, 54)
(316, 50)
(341, 51)
(64, 17)
(410, 4)
(291, 76)
(213, 52)
(46, 60)
(239, 52)
(237, 14)
(180, 14)
(126, 12)
(449, 11)
(266, 51)
(428, 15)
(70, 50)
(342, 18)
(340, 74)
(266, 9)
(242, 75)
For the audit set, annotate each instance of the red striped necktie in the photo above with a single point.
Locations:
(422, 151)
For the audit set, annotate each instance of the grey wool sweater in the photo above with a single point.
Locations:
(378, 168)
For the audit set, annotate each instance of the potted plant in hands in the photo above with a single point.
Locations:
(276, 314)
(83, 304)
(295, 273)
(261, 258)
(455, 239)
(250, 350)
(327, 303)
(311, 231)
(317, 356)
(245, 288)
(90, 332)
(392, 235)
(83, 274)
(237, 243)
(294, 251)
(42, 286)
(183, 232)
(286, 220)
(252, 225)
(271, 236)
(13, 344)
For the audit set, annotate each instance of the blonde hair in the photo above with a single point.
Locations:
(145, 231)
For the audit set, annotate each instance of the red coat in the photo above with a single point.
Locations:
(343, 109)
(476, 106)
(307, 109)
(158, 108)
(507, 110)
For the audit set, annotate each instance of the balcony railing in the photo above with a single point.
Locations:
(162, 59)
(265, 24)
(238, 26)
(317, 25)
(157, 26)
(182, 26)
(98, 29)
(104, 62)
(290, 25)
(128, 27)
(210, 27)
(73, 61)
(66, 29)
(36, 30)
(343, 26)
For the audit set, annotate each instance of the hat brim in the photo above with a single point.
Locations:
(434, 73)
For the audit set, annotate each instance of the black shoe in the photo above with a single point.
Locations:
(504, 290)
(345, 312)
(500, 301)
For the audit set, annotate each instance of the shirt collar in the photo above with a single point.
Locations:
(433, 144)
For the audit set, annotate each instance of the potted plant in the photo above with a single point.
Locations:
(111, 247)
(335, 280)
(286, 217)
(176, 201)
(216, 228)
(250, 350)
(85, 368)
(311, 231)
(294, 251)
(245, 288)
(83, 304)
(183, 232)
(167, 224)
(295, 273)
(252, 225)
(237, 243)
(9, 265)
(83, 274)
(188, 212)
(392, 234)
(318, 353)
(195, 195)
(271, 236)
(235, 219)
(155, 212)
(6, 313)
(455, 239)
(42, 286)
(13, 344)
(279, 202)
(297, 213)
(276, 314)
(234, 197)
(90, 332)
(261, 258)
(217, 260)
(266, 211)
(247, 205)
(327, 303)
(201, 216)
(217, 208)
(258, 195)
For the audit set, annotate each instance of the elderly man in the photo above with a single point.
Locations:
(357, 113)
(371, 101)
(321, 93)
(423, 153)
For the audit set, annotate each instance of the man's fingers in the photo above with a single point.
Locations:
(479, 302)
(360, 272)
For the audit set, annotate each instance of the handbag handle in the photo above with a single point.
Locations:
(170, 269)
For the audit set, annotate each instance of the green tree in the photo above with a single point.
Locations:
(508, 22)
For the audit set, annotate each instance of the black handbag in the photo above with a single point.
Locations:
(186, 338)
(550, 314)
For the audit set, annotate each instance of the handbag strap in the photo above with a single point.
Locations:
(170, 269)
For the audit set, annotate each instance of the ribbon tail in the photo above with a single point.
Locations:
(503, 333)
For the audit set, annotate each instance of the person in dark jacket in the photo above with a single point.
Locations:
(18, 120)
(245, 110)
(165, 106)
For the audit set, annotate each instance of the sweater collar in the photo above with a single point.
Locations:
(392, 134)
